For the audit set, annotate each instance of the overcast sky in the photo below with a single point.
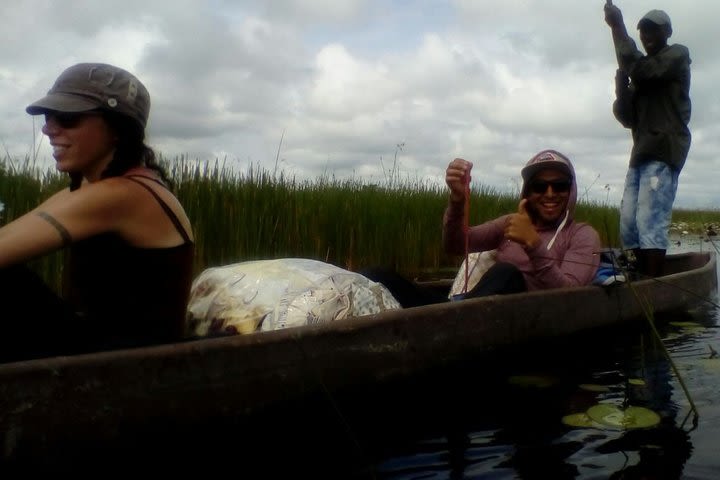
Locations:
(353, 85)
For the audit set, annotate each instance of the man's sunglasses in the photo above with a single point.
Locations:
(558, 186)
(69, 119)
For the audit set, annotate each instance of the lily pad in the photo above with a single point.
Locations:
(686, 324)
(631, 417)
(578, 420)
(689, 327)
(591, 387)
(538, 381)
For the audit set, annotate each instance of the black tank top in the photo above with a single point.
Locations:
(128, 295)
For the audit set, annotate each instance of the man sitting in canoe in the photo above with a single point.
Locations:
(540, 246)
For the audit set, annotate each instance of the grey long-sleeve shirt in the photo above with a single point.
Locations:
(656, 105)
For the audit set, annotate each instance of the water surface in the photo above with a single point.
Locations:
(506, 422)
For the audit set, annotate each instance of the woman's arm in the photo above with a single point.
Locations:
(64, 218)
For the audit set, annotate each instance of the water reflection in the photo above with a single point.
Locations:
(504, 420)
(519, 414)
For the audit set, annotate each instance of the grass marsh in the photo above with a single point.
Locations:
(256, 214)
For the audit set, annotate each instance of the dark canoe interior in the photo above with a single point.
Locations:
(678, 263)
(101, 396)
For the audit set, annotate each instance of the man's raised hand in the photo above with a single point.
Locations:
(520, 229)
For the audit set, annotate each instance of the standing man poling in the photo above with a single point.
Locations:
(653, 100)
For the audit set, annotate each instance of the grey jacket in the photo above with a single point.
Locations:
(655, 104)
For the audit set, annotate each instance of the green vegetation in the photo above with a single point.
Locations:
(695, 221)
(250, 215)
(22, 187)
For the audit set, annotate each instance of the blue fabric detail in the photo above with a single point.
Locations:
(607, 276)
(613, 264)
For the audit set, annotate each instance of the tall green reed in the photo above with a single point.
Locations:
(256, 215)
(23, 186)
(261, 214)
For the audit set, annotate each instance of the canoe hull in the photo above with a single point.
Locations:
(101, 396)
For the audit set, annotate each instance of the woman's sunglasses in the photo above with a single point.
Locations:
(558, 186)
(69, 119)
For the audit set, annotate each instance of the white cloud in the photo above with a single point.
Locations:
(345, 87)
(345, 82)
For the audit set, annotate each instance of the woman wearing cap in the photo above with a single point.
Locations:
(130, 243)
(540, 246)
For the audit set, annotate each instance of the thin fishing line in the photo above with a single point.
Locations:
(466, 229)
(331, 399)
(645, 277)
(701, 298)
(655, 279)
(695, 421)
(689, 292)
(649, 316)
(712, 242)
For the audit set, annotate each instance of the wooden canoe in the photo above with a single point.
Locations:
(45, 402)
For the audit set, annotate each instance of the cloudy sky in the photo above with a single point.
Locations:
(365, 88)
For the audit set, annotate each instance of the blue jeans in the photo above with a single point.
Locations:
(646, 207)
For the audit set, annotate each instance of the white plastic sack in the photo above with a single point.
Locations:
(274, 294)
(479, 263)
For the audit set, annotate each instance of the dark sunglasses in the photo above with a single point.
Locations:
(69, 119)
(558, 186)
